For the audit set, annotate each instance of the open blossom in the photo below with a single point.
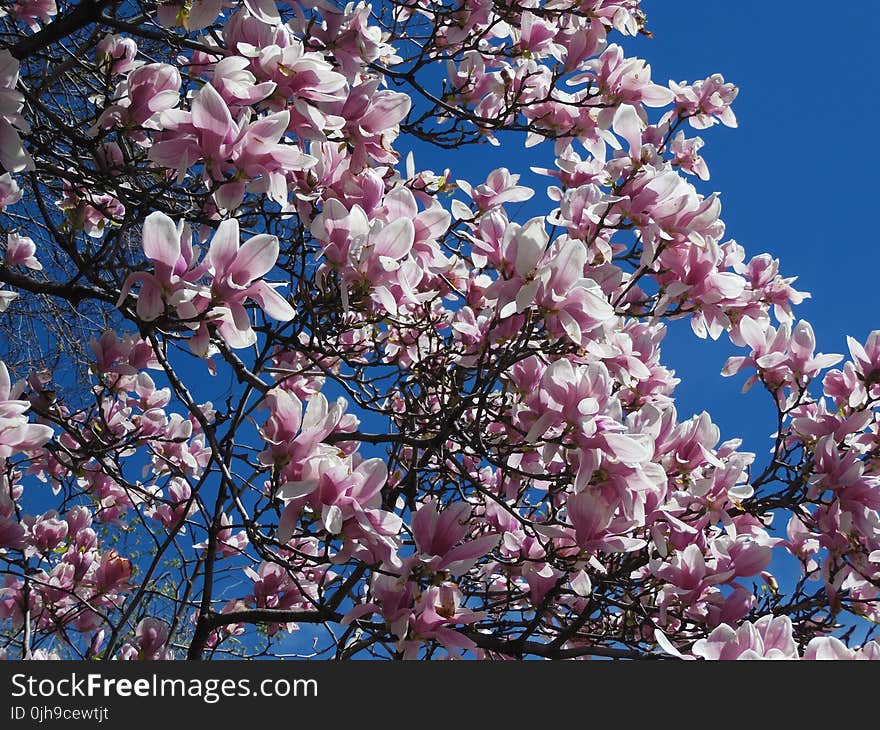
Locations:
(625, 80)
(234, 271)
(233, 80)
(436, 613)
(16, 433)
(687, 155)
(866, 359)
(440, 538)
(9, 191)
(780, 357)
(179, 504)
(337, 490)
(13, 156)
(500, 188)
(706, 102)
(237, 271)
(282, 60)
(770, 637)
(173, 281)
(252, 154)
(20, 251)
(30, 11)
(47, 531)
(228, 544)
(375, 256)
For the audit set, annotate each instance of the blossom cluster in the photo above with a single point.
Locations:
(438, 421)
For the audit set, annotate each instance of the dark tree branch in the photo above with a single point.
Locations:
(86, 12)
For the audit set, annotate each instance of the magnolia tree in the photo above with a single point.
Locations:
(272, 389)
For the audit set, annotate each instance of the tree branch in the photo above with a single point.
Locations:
(87, 11)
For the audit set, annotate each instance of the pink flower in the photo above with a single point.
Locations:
(227, 543)
(16, 434)
(10, 193)
(437, 610)
(113, 573)
(236, 84)
(145, 93)
(178, 506)
(440, 538)
(48, 531)
(780, 357)
(706, 102)
(866, 359)
(293, 436)
(117, 53)
(12, 534)
(227, 147)
(29, 11)
(168, 246)
(377, 255)
(623, 80)
(338, 491)
(830, 648)
(6, 298)
(194, 15)
(770, 637)
(13, 156)
(237, 272)
(686, 155)
(89, 211)
(151, 635)
(20, 251)
(500, 188)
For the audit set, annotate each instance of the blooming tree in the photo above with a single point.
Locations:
(272, 389)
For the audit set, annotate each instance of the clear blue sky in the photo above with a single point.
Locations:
(795, 177)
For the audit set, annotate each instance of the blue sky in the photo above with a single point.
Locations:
(795, 177)
(788, 185)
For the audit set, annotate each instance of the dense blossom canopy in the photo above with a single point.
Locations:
(333, 404)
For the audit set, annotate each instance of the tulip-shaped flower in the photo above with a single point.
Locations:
(16, 434)
(436, 612)
(237, 271)
(13, 156)
(116, 54)
(10, 193)
(147, 92)
(174, 279)
(866, 359)
(12, 534)
(438, 533)
(20, 251)
(152, 636)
